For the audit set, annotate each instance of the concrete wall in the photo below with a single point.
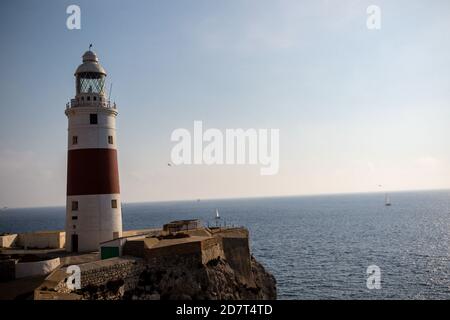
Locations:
(8, 241)
(237, 253)
(7, 269)
(188, 253)
(134, 248)
(201, 232)
(181, 225)
(129, 233)
(41, 240)
(234, 242)
(135, 244)
(211, 249)
(62, 240)
(38, 268)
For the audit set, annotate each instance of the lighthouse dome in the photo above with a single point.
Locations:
(90, 64)
(90, 56)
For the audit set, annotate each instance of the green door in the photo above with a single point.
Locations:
(110, 252)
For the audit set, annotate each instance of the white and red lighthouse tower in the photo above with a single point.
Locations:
(93, 210)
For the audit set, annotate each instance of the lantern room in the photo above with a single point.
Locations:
(90, 76)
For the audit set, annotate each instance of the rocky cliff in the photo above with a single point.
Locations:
(216, 280)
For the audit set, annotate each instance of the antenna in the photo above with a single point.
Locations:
(110, 90)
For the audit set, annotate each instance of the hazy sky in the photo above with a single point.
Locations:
(356, 108)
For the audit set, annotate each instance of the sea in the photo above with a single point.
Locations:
(317, 247)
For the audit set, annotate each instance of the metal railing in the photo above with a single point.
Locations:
(74, 103)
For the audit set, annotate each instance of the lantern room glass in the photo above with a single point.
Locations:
(90, 82)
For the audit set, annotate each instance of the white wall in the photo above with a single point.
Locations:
(38, 268)
(89, 135)
(97, 221)
(43, 239)
(8, 240)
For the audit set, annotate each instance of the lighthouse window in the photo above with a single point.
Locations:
(74, 205)
(93, 118)
(90, 82)
(75, 140)
(74, 217)
(114, 204)
(110, 139)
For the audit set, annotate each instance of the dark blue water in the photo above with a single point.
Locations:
(317, 247)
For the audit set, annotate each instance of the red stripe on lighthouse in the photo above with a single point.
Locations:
(92, 171)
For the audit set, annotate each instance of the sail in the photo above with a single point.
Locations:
(387, 200)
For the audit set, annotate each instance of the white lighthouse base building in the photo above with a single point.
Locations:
(97, 224)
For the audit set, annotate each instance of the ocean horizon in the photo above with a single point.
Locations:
(317, 246)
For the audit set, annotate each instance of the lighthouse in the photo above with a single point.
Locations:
(93, 210)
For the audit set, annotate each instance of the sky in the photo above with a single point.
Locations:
(355, 108)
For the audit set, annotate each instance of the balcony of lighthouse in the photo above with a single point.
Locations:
(90, 101)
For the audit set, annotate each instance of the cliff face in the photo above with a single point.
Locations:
(216, 280)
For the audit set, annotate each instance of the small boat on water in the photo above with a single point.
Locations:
(387, 200)
(217, 218)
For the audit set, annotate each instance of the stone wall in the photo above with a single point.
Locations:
(99, 273)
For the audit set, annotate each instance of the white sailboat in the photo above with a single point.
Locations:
(217, 217)
(387, 200)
